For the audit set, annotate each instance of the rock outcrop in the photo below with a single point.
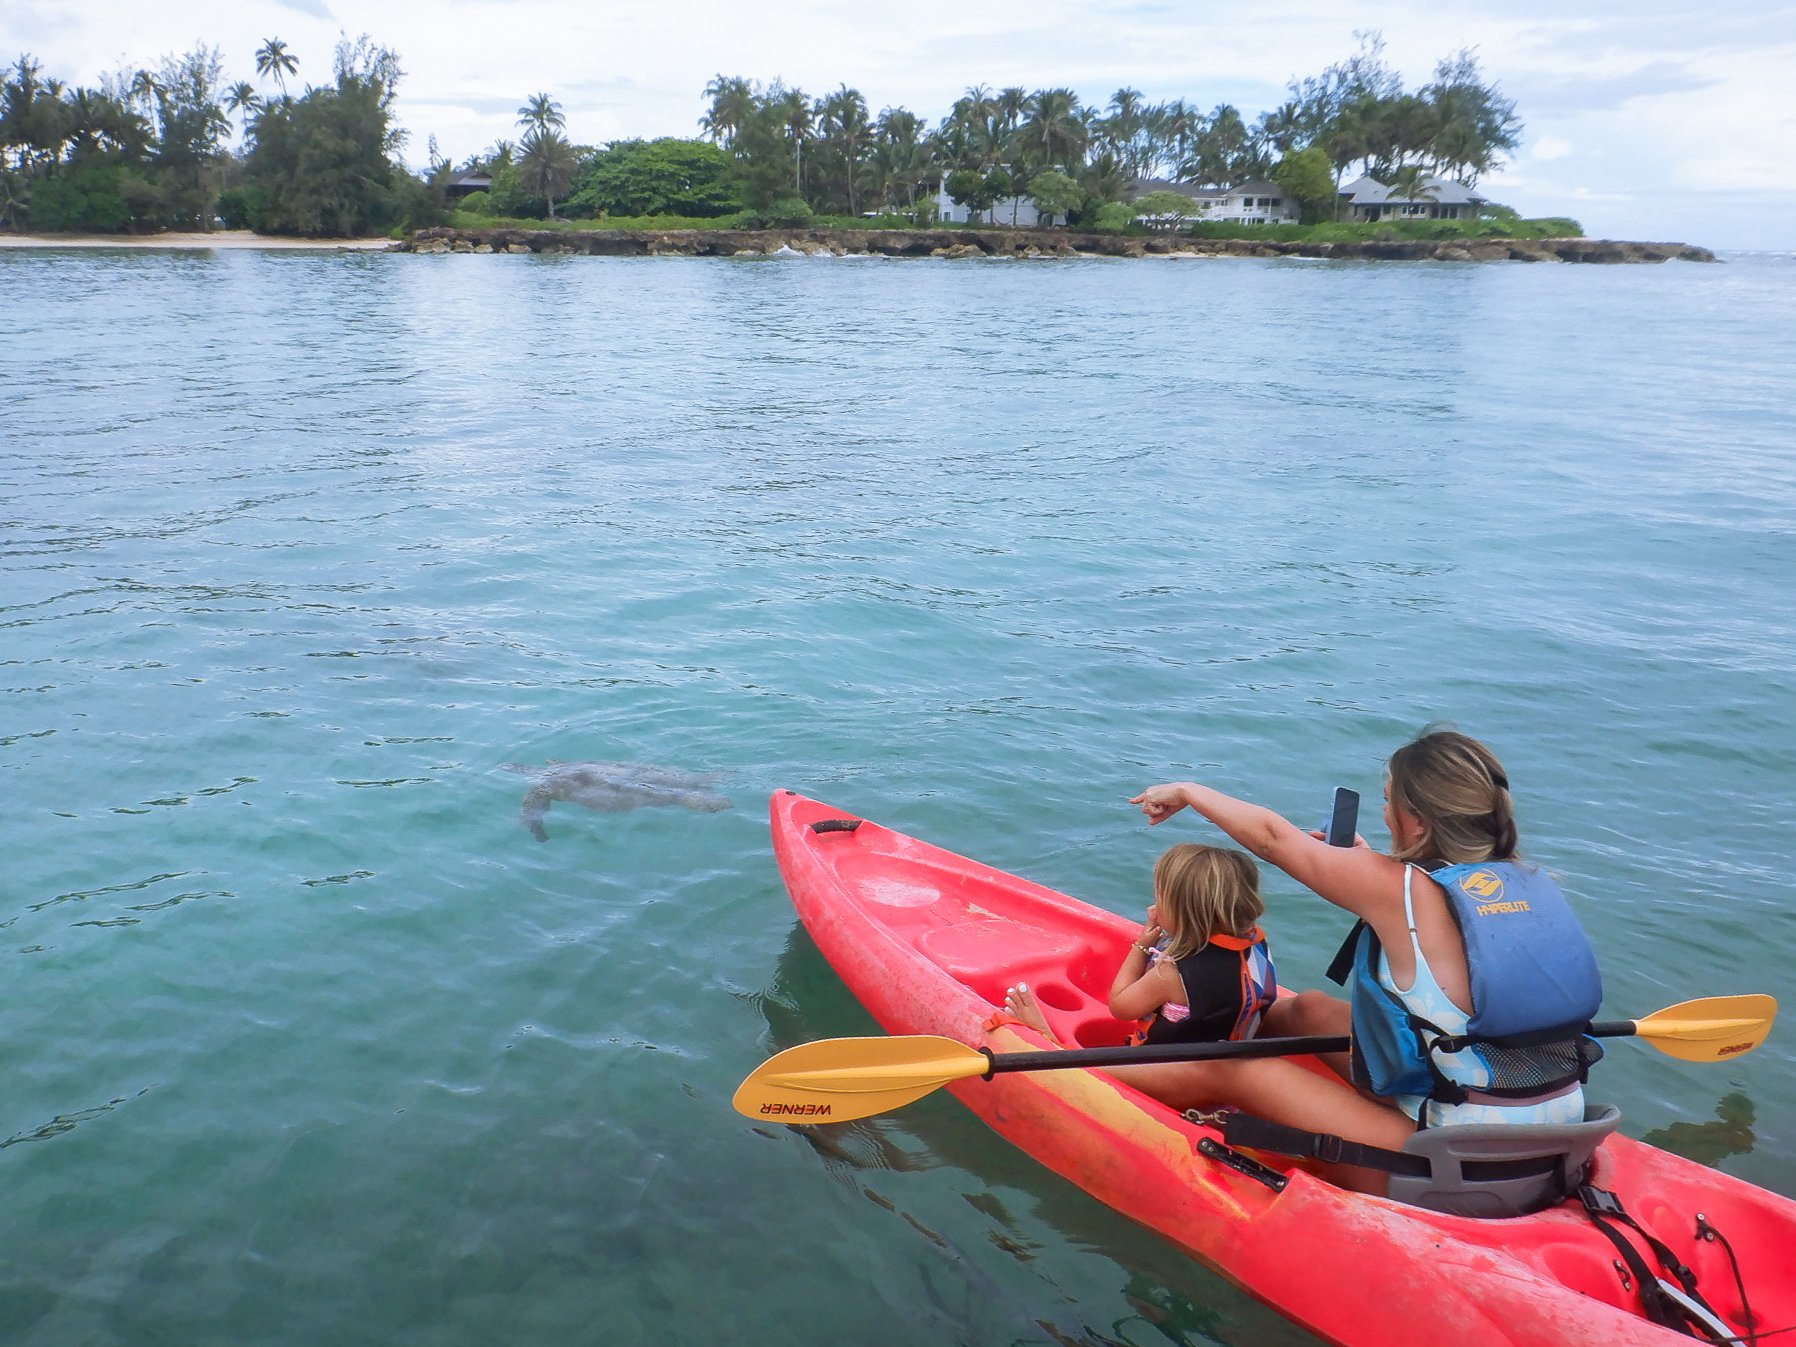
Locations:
(1018, 243)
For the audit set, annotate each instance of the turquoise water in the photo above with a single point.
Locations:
(307, 1040)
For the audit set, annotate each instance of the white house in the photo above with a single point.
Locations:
(1435, 198)
(1013, 212)
(1256, 202)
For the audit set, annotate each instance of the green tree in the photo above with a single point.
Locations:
(242, 99)
(1224, 153)
(798, 119)
(1410, 184)
(975, 134)
(85, 198)
(1338, 108)
(322, 164)
(1125, 132)
(274, 59)
(1307, 177)
(542, 113)
(1112, 215)
(898, 163)
(191, 123)
(546, 164)
(845, 133)
(733, 103)
(15, 199)
(759, 175)
(970, 188)
(1054, 134)
(655, 177)
(1475, 123)
(1054, 193)
(1164, 209)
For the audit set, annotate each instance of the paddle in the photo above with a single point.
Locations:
(840, 1079)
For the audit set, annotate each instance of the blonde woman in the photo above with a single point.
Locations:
(1469, 977)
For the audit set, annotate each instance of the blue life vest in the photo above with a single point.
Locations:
(1535, 987)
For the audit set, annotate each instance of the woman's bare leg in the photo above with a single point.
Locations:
(1307, 1014)
(1280, 1091)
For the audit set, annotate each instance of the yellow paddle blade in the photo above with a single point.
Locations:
(1714, 1029)
(840, 1079)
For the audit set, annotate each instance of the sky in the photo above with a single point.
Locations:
(1643, 119)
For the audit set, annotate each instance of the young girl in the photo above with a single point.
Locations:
(1199, 970)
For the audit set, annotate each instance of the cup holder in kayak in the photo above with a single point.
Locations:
(1102, 1033)
(1057, 996)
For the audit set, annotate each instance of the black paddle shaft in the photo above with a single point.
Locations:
(1062, 1058)
(1067, 1058)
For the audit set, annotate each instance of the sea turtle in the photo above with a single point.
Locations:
(612, 787)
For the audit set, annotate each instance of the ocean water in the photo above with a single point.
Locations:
(306, 1040)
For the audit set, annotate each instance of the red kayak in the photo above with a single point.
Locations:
(930, 941)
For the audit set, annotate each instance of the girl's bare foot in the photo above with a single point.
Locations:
(1021, 1002)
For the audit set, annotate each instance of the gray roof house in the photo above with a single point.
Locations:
(1437, 198)
(1256, 202)
(466, 183)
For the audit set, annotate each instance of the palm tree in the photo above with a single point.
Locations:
(1224, 151)
(144, 89)
(1180, 127)
(1054, 131)
(547, 164)
(897, 160)
(1123, 127)
(1410, 186)
(15, 199)
(274, 59)
(798, 119)
(243, 100)
(1008, 106)
(89, 116)
(542, 113)
(732, 104)
(1282, 128)
(843, 119)
(976, 113)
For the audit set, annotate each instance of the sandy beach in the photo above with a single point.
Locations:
(218, 238)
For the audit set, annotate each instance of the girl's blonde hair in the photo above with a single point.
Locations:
(1203, 892)
(1459, 791)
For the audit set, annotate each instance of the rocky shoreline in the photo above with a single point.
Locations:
(1018, 243)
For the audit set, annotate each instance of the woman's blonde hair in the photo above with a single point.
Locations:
(1205, 891)
(1458, 790)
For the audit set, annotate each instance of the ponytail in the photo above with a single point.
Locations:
(1458, 790)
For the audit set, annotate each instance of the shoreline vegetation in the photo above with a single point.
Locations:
(952, 244)
(964, 243)
(148, 152)
(909, 243)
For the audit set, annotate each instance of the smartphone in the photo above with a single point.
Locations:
(1343, 818)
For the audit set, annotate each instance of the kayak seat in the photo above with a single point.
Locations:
(1502, 1169)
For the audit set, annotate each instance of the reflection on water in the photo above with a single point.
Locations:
(1157, 1295)
(1710, 1142)
(979, 550)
